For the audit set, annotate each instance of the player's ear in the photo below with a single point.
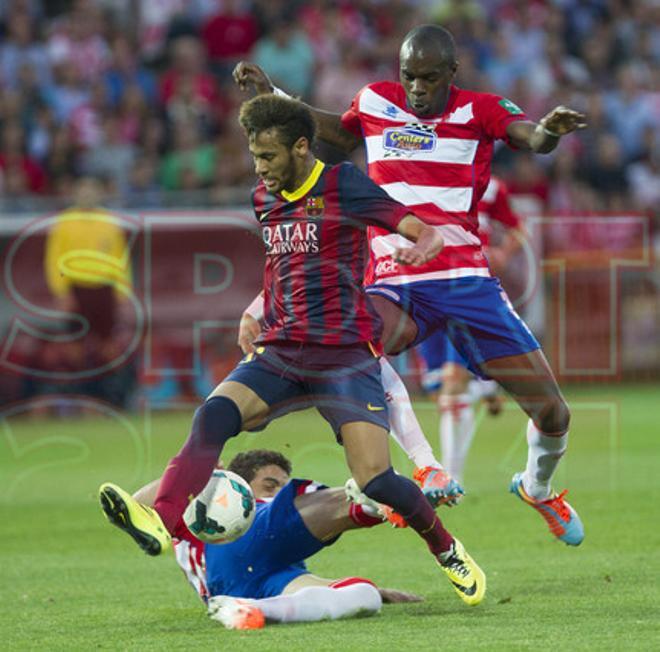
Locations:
(301, 146)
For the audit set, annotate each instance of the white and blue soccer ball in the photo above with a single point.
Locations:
(223, 511)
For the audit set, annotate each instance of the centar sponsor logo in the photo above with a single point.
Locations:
(291, 238)
(408, 139)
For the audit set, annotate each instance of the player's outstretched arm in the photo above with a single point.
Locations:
(428, 242)
(544, 136)
(248, 74)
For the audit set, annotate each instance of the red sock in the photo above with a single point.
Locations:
(428, 525)
(357, 514)
(185, 476)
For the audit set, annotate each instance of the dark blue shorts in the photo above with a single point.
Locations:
(270, 555)
(342, 382)
(435, 351)
(474, 312)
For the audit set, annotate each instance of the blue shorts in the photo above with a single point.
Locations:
(342, 382)
(474, 312)
(435, 351)
(269, 555)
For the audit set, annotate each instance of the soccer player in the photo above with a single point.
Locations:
(446, 374)
(263, 576)
(316, 348)
(429, 145)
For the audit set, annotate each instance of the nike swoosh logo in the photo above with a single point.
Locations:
(468, 590)
(374, 408)
(264, 215)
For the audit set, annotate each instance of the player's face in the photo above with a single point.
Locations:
(426, 79)
(278, 166)
(268, 480)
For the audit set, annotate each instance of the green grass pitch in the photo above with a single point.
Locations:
(71, 582)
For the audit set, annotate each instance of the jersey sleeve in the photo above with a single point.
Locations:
(350, 119)
(496, 113)
(367, 202)
(501, 209)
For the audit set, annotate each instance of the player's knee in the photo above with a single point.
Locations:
(366, 472)
(387, 487)
(216, 420)
(555, 416)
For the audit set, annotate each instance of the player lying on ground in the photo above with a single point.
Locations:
(446, 374)
(263, 574)
(316, 348)
(429, 145)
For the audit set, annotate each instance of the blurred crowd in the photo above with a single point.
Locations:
(139, 93)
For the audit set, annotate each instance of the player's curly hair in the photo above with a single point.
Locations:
(290, 117)
(247, 464)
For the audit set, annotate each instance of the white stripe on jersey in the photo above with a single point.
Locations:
(446, 150)
(454, 235)
(376, 105)
(491, 191)
(440, 275)
(454, 200)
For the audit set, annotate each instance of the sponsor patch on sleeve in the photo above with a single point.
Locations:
(512, 108)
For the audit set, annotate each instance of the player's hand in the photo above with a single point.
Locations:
(246, 73)
(562, 120)
(392, 596)
(410, 256)
(248, 331)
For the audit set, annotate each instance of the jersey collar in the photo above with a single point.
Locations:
(308, 183)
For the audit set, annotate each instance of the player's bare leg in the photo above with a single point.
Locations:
(399, 328)
(367, 453)
(528, 378)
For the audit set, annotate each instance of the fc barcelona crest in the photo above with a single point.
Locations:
(314, 206)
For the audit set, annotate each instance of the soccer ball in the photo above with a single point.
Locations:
(223, 511)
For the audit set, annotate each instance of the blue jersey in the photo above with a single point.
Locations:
(265, 559)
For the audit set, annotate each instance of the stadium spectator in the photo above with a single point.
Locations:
(22, 48)
(286, 54)
(125, 70)
(191, 163)
(230, 35)
(21, 173)
(187, 89)
(88, 271)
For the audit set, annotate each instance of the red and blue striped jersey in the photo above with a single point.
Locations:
(316, 252)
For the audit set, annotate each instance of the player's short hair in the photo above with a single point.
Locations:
(247, 464)
(291, 118)
(432, 38)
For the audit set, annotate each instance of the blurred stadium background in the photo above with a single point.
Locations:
(139, 96)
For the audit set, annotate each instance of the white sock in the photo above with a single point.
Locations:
(315, 603)
(543, 455)
(456, 433)
(404, 426)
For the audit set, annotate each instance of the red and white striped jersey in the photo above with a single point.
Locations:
(439, 167)
(495, 206)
